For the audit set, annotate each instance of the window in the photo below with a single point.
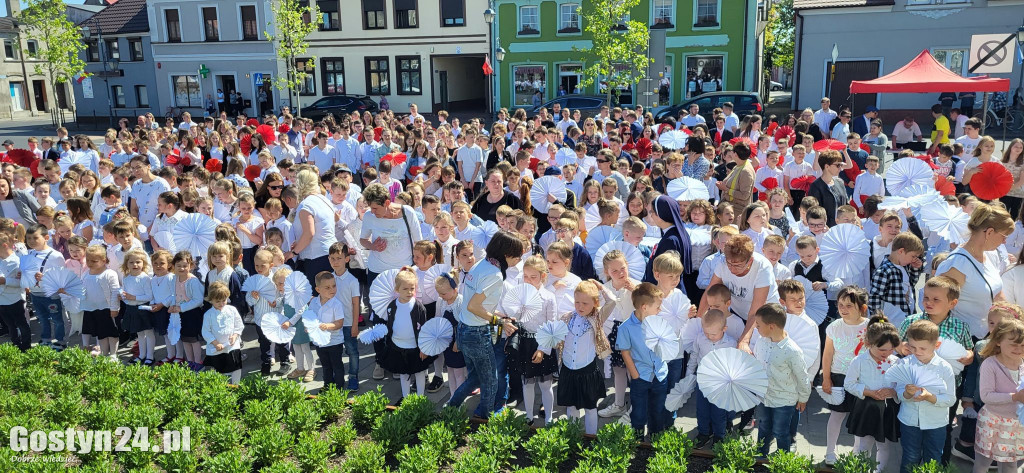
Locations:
(664, 13)
(210, 27)
(706, 73)
(141, 96)
(113, 50)
(186, 91)
(529, 19)
(173, 26)
(953, 59)
(568, 18)
(378, 77)
(92, 51)
(334, 76)
(707, 13)
(408, 75)
(309, 82)
(135, 46)
(406, 14)
(117, 95)
(33, 47)
(528, 80)
(453, 13)
(329, 17)
(621, 25)
(250, 29)
(373, 15)
(11, 50)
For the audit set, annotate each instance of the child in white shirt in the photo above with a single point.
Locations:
(222, 327)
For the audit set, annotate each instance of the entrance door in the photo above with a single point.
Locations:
(18, 96)
(227, 84)
(39, 91)
(442, 80)
(269, 105)
(62, 96)
(569, 78)
(846, 72)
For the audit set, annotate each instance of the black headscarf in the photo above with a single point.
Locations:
(667, 209)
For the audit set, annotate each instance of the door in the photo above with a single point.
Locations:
(442, 80)
(846, 72)
(62, 96)
(569, 78)
(18, 96)
(39, 92)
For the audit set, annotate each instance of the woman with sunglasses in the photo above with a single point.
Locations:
(271, 188)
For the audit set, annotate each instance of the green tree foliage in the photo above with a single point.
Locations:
(59, 42)
(779, 36)
(294, 20)
(616, 56)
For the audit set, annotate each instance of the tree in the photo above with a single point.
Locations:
(617, 47)
(778, 39)
(58, 43)
(293, 22)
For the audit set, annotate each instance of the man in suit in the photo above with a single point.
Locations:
(862, 125)
(720, 134)
(49, 152)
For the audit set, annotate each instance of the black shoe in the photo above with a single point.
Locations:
(702, 442)
(963, 451)
(435, 384)
(265, 369)
(398, 402)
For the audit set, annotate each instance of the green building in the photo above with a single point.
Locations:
(696, 45)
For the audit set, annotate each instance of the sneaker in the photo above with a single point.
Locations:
(285, 367)
(435, 384)
(265, 369)
(378, 372)
(58, 346)
(613, 410)
(703, 441)
(147, 362)
(963, 451)
(353, 384)
(95, 351)
(296, 374)
(308, 378)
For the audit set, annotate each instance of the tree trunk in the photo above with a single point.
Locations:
(53, 92)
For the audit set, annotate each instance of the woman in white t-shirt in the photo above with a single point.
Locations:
(389, 230)
(314, 218)
(750, 278)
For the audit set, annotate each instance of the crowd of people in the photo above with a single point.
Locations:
(438, 219)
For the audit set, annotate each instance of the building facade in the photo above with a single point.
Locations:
(424, 52)
(703, 42)
(119, 66)
(29, 93)
(202, 47)
(876, 37)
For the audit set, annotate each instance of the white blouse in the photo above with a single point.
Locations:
(866, 373)
(579, 349)
(564, 301)
(138, 286)
(101, 291)
(255, 221)
(162, 289)
(220, 325)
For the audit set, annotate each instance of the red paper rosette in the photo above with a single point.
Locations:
(771, 129)
(395, 158)
(822, 145)
(802, 183)
(945, 186)
(245, 145)
(770, 183)
(252, 172)
(252, 122)
(213, 165)
(643, 148)
(174, 158)
(21, 157)
(786, 131)
(742, 139)
(34, 167)
(663, 127)
(267, 132)
(853, 172)
(284, 128)
(928, 160)
(992, 181)
(866, 148)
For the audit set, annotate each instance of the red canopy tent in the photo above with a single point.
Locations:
(924, 74)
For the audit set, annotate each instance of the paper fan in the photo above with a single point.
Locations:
(945, 186)
(194, 233)
(844, 251)
(521, 301)
(245, 145)
(895, 315)
(592, 218)
(270, 324)
(687, 189)
(267, 132)
(660, 337)
(691, 331)
(837, 396)
(545, 186)
(947, 221)
(816, 305)
(599, 236)
(435, 336)
(395, 158)
(382, 292)
(563, 156)
(806, 337)
(770, 183)
(731, 379)
(252, 122)
(312, 323)
(912, 197)
(802, 183)
(674, 139)
(786, 131)
(489, 229)
(283, 128)
(55, 279)
(677, 397)
(742, 139)
(770, 131)
(262, 285)
(165, 240)
(71, 159)
(21, 157)
(634, 259)
(699, 234)
(676, 306)
(907, 373)
(822, 145)
(992, 181)
(551, 333)
(252, 172)
(297, 291)
(865, 147)
(427, 292)
(951, 351)
(907, 172)
(174, 329)
(372, 334)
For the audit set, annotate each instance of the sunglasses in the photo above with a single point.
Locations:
(276, 188)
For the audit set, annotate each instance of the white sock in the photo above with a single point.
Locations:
(572, 412)
(882, 455)
(529, 396)
(86, 341)
(236, 376)
(547, 398)
(300, 358)
(421, 382)
(403, 380)
(456, 376)
(169, 348)
(196, 350)
(109, 347)
(832, 431)
(607, 368)
(620, 385)
(590, 421)
(150, 343)
(439, 366)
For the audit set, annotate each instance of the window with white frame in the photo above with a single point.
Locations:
(186, 91)
(621, 25)
(211, 25)
(707, 13)
(141, 96)
(33, 47)
(528, 81)
(664, 13)
(250, 27)
(953, 59)
(309, 81)
(117, 93)
(529, 19)
(569, 18)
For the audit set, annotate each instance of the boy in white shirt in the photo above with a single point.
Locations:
(924, 414)
(347, 294)
(869, 183)
(331, 315)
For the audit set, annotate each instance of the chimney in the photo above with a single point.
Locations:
(13, 8)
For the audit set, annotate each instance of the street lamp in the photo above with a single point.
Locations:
(489, 15)
(499, 54)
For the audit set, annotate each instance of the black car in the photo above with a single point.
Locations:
(744, 103)
(339, 105)
(588, 105)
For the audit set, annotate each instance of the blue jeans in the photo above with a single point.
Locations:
(333, 367)
(500, 374)
(352, 349)
(711, 420)
(774, 422)
(920, 446)
(47, 310)
(648, 398)
(476, 347)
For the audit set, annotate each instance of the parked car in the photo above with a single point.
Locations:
(744, 103)
(774, 85)
(339, 105)
(588, 105)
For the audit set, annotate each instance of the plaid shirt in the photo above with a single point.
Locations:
(887, 286)
(951, 328)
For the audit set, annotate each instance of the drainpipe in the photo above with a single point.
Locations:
(743, 48)
(797, 56)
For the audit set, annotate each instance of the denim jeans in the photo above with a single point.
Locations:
(352, 349)
(48, 310)
(711, 420)
(14, 316)
(675, 373)
(774, 422)
(920, 446)
(501, 375)
(648, 398)
(476, 347)
(333, 366)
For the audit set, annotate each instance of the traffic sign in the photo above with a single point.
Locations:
(991, 54)
(257, 77)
